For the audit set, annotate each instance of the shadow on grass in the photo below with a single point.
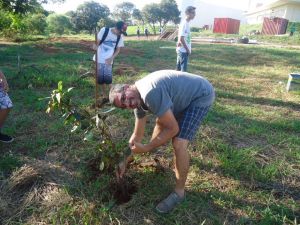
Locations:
(259, 100)
(244, 56)
(278, 190)
(256, 127)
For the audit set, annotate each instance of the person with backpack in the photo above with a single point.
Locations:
(5, 106)
(109, 42)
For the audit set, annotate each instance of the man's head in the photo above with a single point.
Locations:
(125, 96)
(121, 27)
(190, 12)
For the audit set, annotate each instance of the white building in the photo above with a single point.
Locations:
(288, 9)
(206, 12)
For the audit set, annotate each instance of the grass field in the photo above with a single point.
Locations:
(245, 165)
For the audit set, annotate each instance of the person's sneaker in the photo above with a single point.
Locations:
(166, 205)
(5, 138)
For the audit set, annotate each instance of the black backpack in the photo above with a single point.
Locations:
(105, 35)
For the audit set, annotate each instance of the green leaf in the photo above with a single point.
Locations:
(58, 97)
(70, 89)
(101, 167)
(60, 86)
(48, 110)
(89, 136)
(74, 128)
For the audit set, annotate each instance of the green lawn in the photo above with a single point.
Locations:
(245, 165)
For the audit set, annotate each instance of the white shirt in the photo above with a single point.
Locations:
(106, 49)
(184, 30)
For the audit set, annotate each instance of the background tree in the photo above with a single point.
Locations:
(170, 12)
(123, 11)
(138, 16)
(5, 20)
(58, 24)
(152, 13)
(36, 23)
(106, 22)
(88, 15)
(24, 6)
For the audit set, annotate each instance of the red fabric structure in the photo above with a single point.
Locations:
(226, 26)
(273, 26)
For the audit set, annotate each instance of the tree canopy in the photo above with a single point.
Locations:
(24, 6)
(123, 11)
(88, 15)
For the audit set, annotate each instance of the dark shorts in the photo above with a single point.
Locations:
(182, 61)
(5, 102)
(104, 73)
(190, 121)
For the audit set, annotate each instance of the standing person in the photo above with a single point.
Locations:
(180, 101)
(146, 32)
(160, 30)
(5, 106)
(109, 42)
(138, 33)
(292, 29)
(184, 47)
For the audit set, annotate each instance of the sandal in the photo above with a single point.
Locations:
(169, 203)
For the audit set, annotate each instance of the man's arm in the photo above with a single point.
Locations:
(109, 60)
(137, 136)
(139, 130)
(182, 41)
(169, 129)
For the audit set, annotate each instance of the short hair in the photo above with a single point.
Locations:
(189, 9)
(115, 88)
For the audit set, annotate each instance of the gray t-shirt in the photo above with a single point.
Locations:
(175, 90)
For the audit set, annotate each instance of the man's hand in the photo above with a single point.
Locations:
(139, 148)
(109, 61)
(134, 138)
(94, 47)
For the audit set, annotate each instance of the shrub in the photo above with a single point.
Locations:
(195, 29)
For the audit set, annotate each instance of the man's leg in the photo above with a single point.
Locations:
(107, 80)
(3, 116)
(182, 164)
(104, 90)
(184, 62)
(178, 63)
(188, 124)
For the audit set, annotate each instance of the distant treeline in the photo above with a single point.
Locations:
(30, 18)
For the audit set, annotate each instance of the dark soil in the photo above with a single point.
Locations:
(123, 190)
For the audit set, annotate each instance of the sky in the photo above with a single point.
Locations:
(72, 4)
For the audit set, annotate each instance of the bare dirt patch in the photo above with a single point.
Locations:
(34, 184)
(122, 69)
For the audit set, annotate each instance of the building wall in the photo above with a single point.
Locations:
(289, 11)
(293, 13)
